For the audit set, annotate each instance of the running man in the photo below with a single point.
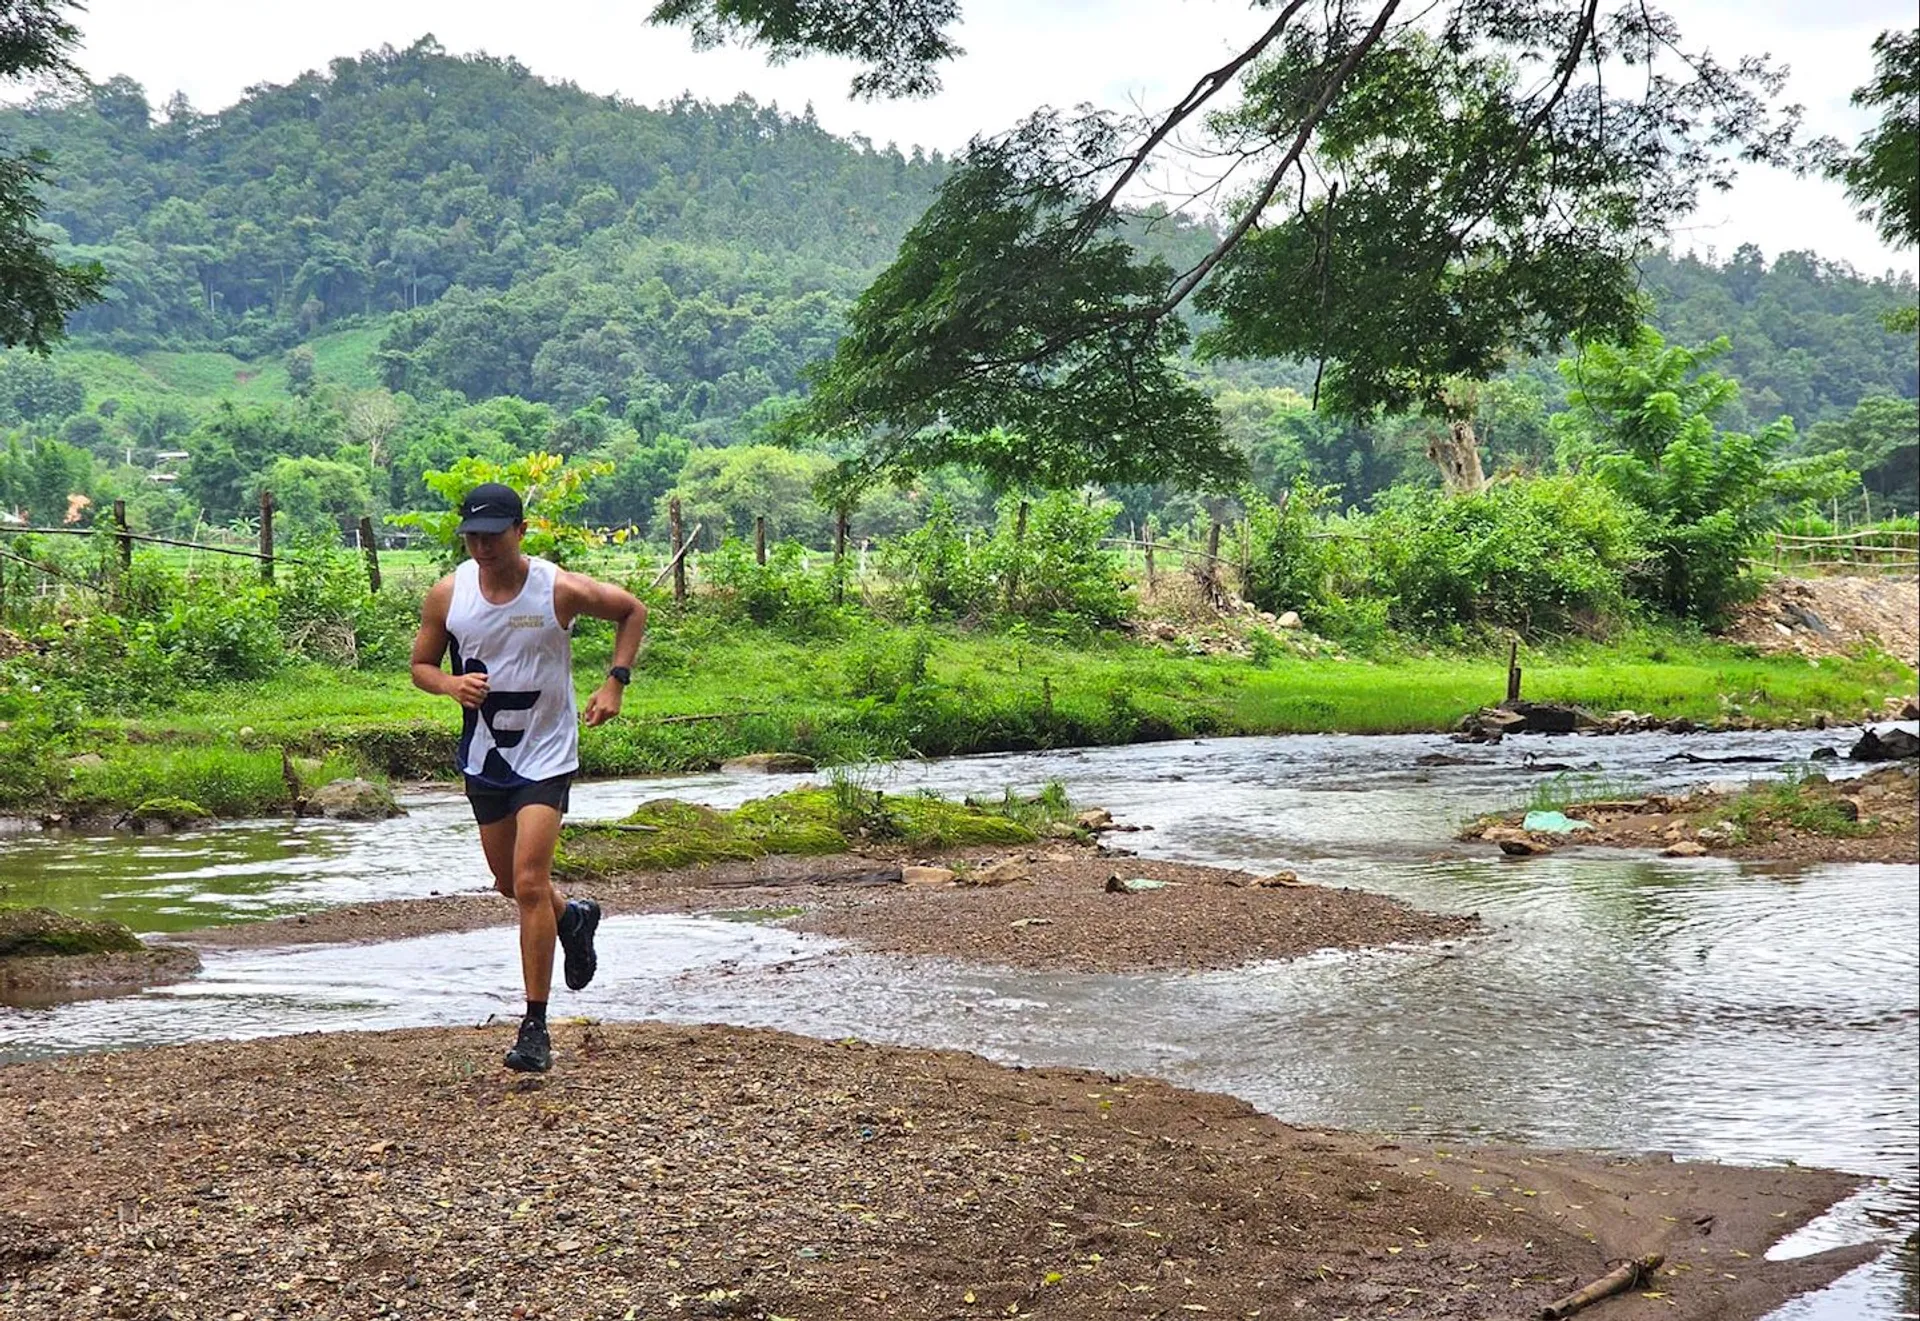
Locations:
(507, 620)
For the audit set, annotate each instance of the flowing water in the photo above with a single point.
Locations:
(1743, 1012)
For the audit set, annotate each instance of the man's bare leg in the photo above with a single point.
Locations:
(536, 835)
(497, 842)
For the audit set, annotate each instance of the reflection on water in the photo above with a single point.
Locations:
(1711, 1009)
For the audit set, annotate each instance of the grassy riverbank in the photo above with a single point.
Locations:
(706, 691)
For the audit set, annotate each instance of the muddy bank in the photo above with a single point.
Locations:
(47, 956)
(1059, 914)
(723, 1172)
(1874, 818)
(51, 978)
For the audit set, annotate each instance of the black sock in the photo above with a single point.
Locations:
(537, 1010)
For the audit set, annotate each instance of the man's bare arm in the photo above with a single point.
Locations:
(578, 595)
(430, 647)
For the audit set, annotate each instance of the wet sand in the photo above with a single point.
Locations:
(722, 1172)
(1060, 917)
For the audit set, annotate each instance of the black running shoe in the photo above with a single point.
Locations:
(532, 1052)
(576, 938)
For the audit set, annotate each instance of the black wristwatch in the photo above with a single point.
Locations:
(621, 675)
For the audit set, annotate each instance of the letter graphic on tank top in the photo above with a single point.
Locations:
(525, 728)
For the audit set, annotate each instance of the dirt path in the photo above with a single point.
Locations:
(1060, 915)
(721, 1172)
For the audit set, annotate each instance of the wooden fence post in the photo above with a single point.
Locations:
(371, 551)
(1212, 574)
(1513, 671)
(840, 555)
(679, 561)
(1147, 535)
(126, 542)
(1019, 549)
(759, 538)
(266, 536)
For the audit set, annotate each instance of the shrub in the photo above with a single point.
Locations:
(1539, 556)
(944, 573)
(780, 592)
(1060, 570)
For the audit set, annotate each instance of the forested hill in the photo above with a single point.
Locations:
(434, 223)
(544, 241)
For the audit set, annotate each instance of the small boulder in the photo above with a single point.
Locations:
(1290, 619)
(158, 816)
(1002, 873)
(1684, 848)
(1848, 808)
(926, 876)
(1515, 842)
(1094, 818)
(39, 932)
(86, 761)
(768, 763)
(1280, 880)
(1824, 754)
(353, 800)
(1911, 710)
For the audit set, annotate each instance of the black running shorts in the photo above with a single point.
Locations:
(491, 804)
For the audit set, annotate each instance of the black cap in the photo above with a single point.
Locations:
(490, 507)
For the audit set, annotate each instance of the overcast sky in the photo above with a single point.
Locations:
(1020, 53)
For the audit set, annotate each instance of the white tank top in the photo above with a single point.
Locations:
(526, 730)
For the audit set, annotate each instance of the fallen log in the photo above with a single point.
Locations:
(1621, 1278)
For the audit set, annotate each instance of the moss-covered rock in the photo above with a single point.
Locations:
(155, 814)
(667, 833)
(39, 932)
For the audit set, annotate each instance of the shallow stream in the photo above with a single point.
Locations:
(1743, 1012)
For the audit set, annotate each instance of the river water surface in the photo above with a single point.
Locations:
(1742, 1012)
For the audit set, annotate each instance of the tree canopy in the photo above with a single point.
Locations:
(1410, 199)
(37, 288)
(1883, 172)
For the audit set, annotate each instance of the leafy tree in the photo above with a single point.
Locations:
(1881, 437)
(34, 388)
(1464, 217)
(231, 450)
(320, 497)
(641, 472)
(37, 289)
(1641, 420)
(551, 488)
(724, 490)
(1883, 173)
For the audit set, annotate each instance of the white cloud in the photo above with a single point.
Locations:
(1020, 53)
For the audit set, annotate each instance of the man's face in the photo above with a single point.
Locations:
(495, 547)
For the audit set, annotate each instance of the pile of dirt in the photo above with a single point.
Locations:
(722, 1172)
(1818, 617)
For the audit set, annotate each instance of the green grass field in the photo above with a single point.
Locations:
(705, 691)
(201, 377)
